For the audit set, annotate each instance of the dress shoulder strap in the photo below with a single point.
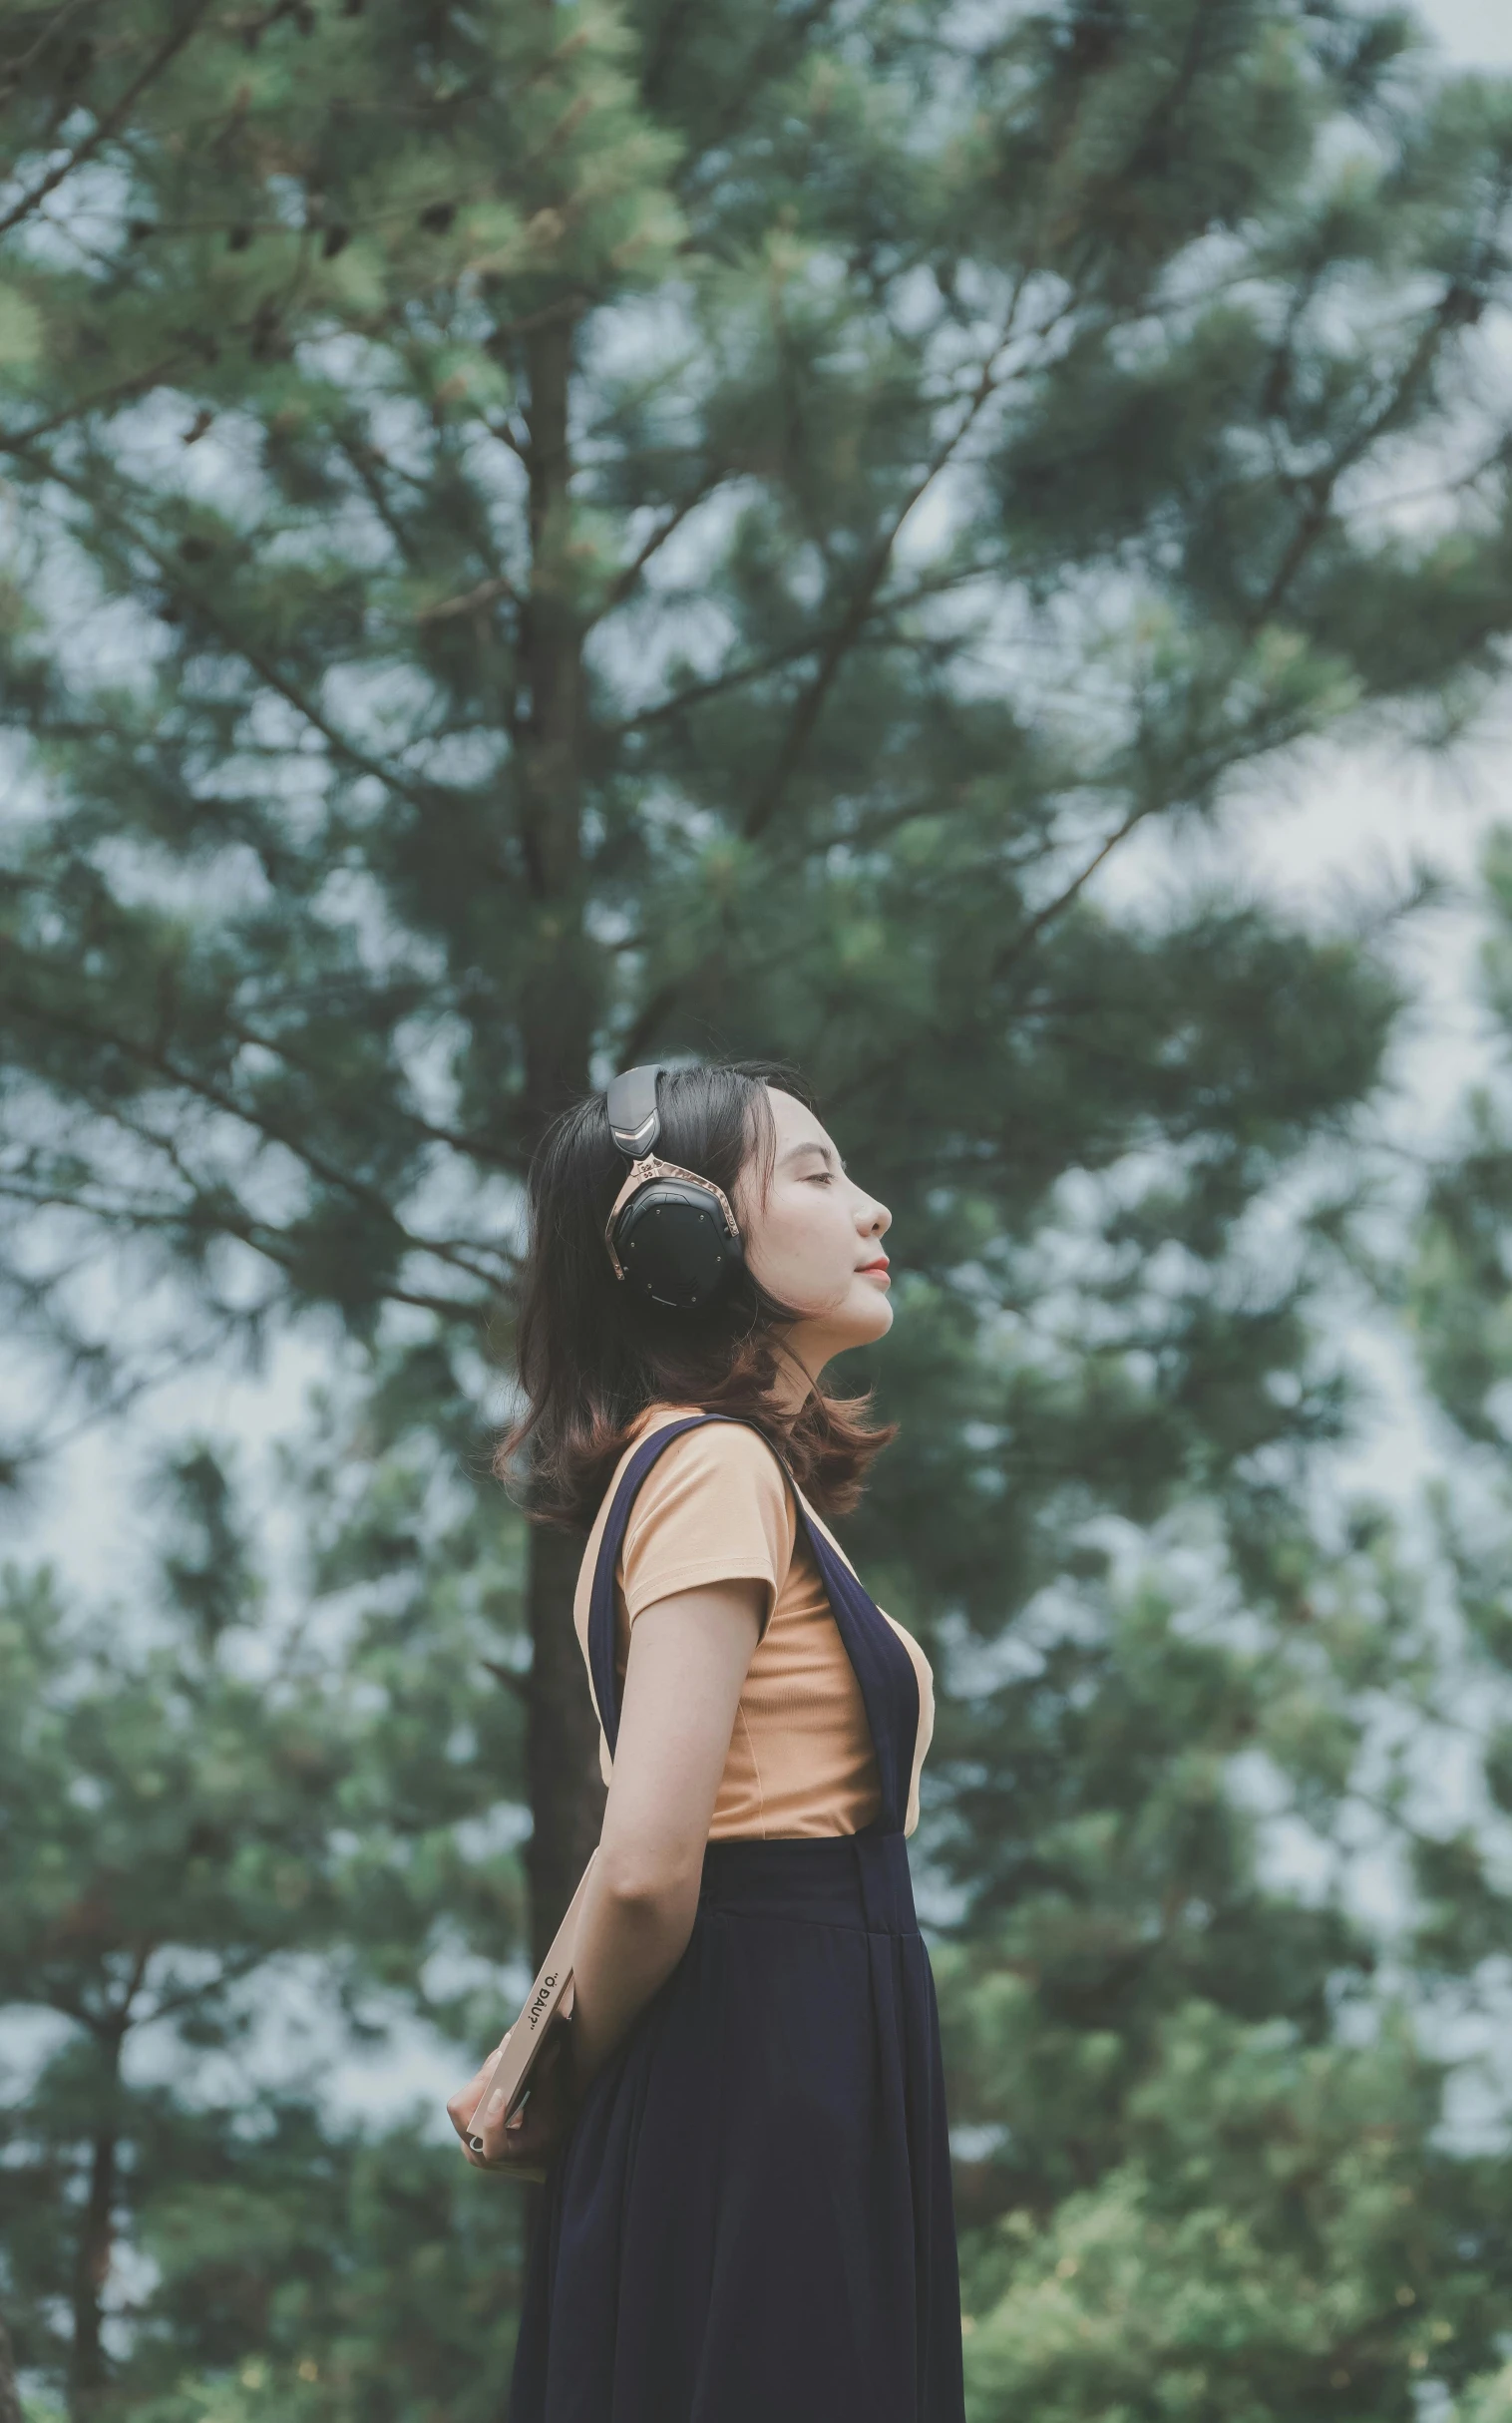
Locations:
(601, 1644)
(883, 1668)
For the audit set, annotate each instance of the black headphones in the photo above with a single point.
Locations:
(671, 1233)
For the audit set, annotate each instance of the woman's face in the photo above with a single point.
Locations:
(816, 1240)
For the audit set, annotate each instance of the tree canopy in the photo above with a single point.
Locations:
(541, 536)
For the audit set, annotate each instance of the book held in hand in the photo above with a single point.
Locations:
(550, 1998)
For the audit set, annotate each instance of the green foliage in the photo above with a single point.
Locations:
(1460, 1296)
(1257, 2253)
(538, 536)
(1217, 2133)
(205, 1824)
(974, 453)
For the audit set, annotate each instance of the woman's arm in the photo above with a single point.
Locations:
(687, 1659)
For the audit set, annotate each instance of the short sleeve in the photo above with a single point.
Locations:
(715, 1507)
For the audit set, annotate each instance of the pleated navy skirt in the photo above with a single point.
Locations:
(751, 2219)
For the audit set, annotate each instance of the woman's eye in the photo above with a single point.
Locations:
(823, 1177)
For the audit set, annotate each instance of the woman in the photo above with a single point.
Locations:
(747, 2213)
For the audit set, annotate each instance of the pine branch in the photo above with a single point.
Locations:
(625, 580)
(234, 642)
(1448, 314)
(39, 1452)
(471, 601)
(519, 1683)
(190, 1081)
(363, 458)
(194, 1997)
(1024, 941)
(767, 60)
(114, 118)
(52, 27)
(123, 391)
(793, 651)
(811, 706)
(123, 2009)
(474, 1148)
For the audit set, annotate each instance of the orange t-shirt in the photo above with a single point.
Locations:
(716, 1506)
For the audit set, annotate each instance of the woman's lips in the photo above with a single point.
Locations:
(880, 1267)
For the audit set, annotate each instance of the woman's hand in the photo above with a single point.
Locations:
(523, 2148)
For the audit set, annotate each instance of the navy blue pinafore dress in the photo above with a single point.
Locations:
(751, 2219)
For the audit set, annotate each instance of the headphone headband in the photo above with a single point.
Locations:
(634, 1122)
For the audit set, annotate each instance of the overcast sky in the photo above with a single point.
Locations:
(1477, 31)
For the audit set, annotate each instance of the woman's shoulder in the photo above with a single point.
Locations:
(714, 1502)
(714, 1447)
(715, 1454)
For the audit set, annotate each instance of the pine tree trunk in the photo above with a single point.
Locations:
(559, 983)
(10, 2395)
(558, 1002)
(567, 1794)
(89, 2377)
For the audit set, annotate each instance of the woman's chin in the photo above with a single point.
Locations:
(856, 1321)
(874, 1319)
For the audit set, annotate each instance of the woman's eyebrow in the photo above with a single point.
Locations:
(812, 1145)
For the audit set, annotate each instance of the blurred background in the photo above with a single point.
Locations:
(965, 544)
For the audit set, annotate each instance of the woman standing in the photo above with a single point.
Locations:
(747, 2213)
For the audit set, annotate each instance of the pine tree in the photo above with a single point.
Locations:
(543, 536)
(206, 1819)
(1212, 2177)
(1454, 1292)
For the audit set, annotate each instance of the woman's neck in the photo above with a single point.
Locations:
(794, 1383)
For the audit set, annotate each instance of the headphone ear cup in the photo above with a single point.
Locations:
(674, 1244)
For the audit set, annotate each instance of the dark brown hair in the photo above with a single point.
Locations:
(591, 1356)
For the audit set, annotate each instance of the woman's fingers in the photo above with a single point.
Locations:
(525, 2140)
(461, 2106)
(496, 2137)
(529, 2129)
(534, 2129)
